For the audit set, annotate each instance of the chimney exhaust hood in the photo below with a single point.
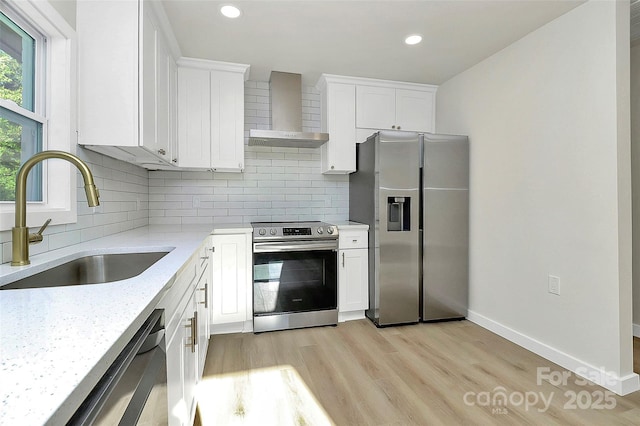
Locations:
(286, 116)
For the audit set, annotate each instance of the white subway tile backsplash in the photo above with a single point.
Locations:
(278, 184)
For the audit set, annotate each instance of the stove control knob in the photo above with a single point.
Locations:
(262, 231)
(272, 231)
(320, 230)
(330, 230)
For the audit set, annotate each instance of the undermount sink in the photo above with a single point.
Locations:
(94, 269)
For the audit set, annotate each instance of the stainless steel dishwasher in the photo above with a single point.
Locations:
(134, 388)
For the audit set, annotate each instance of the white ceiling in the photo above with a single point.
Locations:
(357, 38)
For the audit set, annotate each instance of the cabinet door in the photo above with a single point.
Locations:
(182, 368)
(108, 95)
(148, 82)
(190, 351)
(230, 278)
(173, 111)
(376, 107)
(163, 100)
(353, 280)
(202, 299)
(415, 110)
(178, 411)
(227, 120)
(339, 115)
(154, 87)
(194, 118)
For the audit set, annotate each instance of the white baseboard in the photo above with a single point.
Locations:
(619, 385)
(636, 330)
(234, 327)
(350, 316)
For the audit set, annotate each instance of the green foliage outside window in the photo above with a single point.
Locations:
(20, 135)
(10, 133)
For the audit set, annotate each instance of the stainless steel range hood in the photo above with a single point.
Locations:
(286, 116)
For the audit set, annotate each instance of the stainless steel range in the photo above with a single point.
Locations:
(295, 279)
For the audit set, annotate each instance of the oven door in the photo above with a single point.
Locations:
(294, 276)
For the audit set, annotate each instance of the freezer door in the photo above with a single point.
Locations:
(398, 257)
(445, 197)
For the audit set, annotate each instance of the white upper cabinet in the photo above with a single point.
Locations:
(354, 108)
(211, 115)
(396, 109)
(338, 115)
(376, 107)
(126, 74)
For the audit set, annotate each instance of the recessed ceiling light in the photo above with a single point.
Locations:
(413, 39)
(230, 11)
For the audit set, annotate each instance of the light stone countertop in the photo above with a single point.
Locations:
(57, 342)
(350, 224)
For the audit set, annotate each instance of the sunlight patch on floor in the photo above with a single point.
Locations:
(269, 396)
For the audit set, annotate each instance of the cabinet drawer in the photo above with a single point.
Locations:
(353, 239)
(174, 298)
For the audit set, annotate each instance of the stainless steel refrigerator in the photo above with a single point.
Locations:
(413, 191)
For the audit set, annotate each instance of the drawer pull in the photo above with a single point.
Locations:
(206, 295)
(193, 325)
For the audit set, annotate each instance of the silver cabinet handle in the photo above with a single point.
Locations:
(204, 257)
(393, 127)
(193, 325)
(343, 260)
(398, 127)
(175, 160)
(206, 295)
(162, 152)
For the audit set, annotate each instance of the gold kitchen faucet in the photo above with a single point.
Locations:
(20, 236)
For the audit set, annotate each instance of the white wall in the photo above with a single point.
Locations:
(548, 122)
(635, 167)
(66, 8)
(278, 184)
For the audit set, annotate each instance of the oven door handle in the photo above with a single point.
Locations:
(278, 247)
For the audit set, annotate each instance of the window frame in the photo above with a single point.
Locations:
(56, 73)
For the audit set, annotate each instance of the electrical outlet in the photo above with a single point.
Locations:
(554, 285)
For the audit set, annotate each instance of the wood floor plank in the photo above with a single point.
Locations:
(423, 374)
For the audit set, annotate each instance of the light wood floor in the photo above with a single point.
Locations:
(450, 373)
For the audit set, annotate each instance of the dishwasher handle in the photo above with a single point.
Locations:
(91, 406)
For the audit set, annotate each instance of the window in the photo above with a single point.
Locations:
(37, 88)
(21, 122)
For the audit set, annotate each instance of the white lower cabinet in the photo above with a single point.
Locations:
(186, 306)
(182, 371)
(231, 281)
(353, 273)
(202, 309)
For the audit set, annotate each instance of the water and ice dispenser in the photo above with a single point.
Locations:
(398, 213)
